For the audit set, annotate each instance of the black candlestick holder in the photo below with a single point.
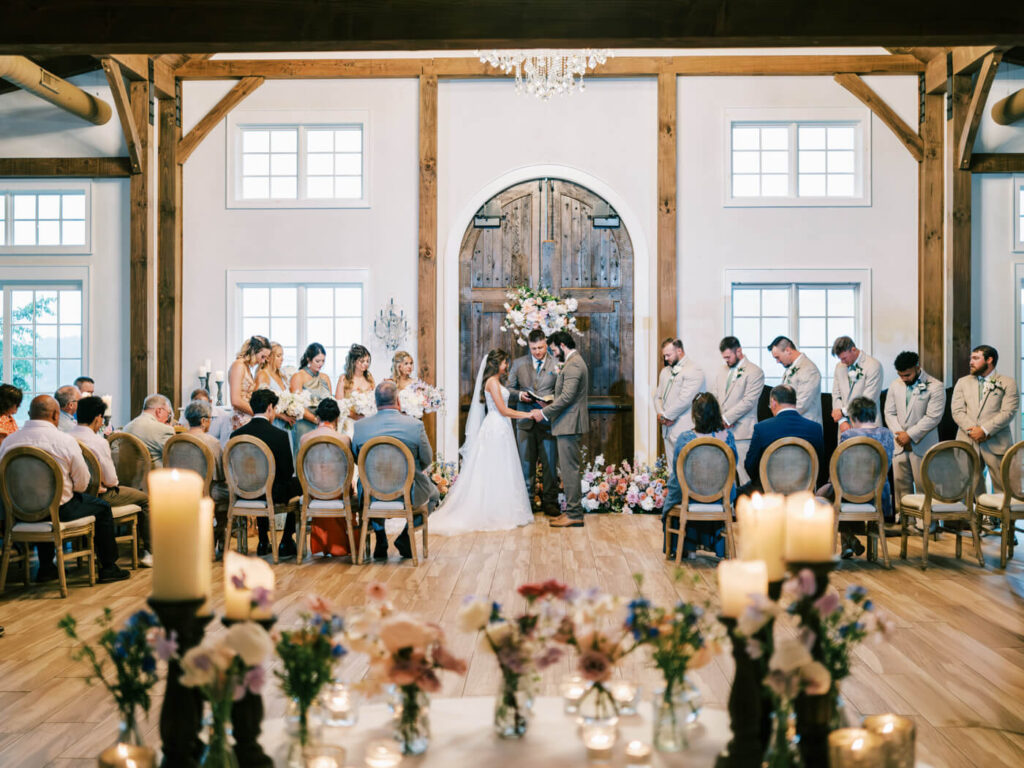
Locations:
(247, 716)
(746, 702)
(204, 381)
(820, 569)
(181, 715)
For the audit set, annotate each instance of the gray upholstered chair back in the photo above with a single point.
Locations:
(386, 467)
(858, 469)
(249, 467)
(31, 484)
(789, 465)
(95, 477)
(949, 471)
(325, 467)
(1013, 471)
(707, 469)
(185, 451)
(131, 459)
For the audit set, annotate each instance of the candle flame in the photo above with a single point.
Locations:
(809, 507)
(858, 744)
(122, 750)
(887, 728)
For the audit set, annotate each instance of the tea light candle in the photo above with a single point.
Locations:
(854, 748)
(323, 756)
(572, 688)
(810, 530)
(625, 695)
(638, 753)
(127, 756)
(897, 735)
(179, 563)
(382, 753)
(599, 740)
(253, 573)
(339, 706)
(762, 523)
(738, 580)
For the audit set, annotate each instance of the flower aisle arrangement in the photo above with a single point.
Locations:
(133, 650)
(308, 654)
(420, 398)
(528, 308)
(523, 646)
(443, 474)
(624, 488)
(293, 404)
(406, 652)
(223, 669)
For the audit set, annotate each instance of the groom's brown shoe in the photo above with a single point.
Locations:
(564, 521)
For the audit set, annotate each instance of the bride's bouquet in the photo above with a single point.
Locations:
(528, 309)
(362, 402)
(293, 404)
(420, 398)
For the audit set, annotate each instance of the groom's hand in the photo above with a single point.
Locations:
(537, 415)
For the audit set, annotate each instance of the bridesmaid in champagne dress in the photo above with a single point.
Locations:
(357, 378)
(241, 384)
(270, 376)
(311, 379)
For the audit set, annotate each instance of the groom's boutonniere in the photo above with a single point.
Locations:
(991, 384)
(920, 386)
(677, 369)
(790, 373)
(856, 373)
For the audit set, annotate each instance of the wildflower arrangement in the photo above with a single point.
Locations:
(624, 488)
(308, 654)
(420, 398)
(443, 474)
(528, 308)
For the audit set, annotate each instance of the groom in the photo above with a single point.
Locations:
(569, 421)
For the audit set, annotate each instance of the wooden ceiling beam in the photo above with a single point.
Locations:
(921, 53)
(979, 96)
(136, 67)
(968, 59)
(937, 73)
(124, 112)
(865, 94)
(76, 167)
(231, 99)
(1003, 162)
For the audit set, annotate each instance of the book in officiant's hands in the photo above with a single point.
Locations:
(538, 398)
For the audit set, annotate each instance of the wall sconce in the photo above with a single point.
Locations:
(604, 217)
(488, 217)
(391, 327)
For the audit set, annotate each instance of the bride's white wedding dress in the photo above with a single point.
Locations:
(489, 494)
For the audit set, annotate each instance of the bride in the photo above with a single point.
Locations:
(489, 494)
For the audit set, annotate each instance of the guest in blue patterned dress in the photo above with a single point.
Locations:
(707, 422)
(311, 379)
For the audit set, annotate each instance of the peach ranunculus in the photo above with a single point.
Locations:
(404, 631)
(603, 497)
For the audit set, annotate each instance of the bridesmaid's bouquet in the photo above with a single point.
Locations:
(293, 404)
(420, 398)
(362, 402)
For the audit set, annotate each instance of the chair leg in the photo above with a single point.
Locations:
(881, 540)
(904, 531)
(412, 537)
(679, 537)
(974, 521)
(6, 561)
(352, 544)
(135, 543)
(364, 538)
(272, 524)
(426, 514)
(91, 541)
(730, 542)
(228, 531)
(959, 546)
(28, 562)
(926, 521)
(302, 535)
(59, 545)
(1004, 539)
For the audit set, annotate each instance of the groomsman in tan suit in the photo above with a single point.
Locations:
(801, 374)
(738, 389)
(984, 405)
(678, 383)
(857, 375)
(913, 410)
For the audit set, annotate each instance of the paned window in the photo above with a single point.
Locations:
(36, 220)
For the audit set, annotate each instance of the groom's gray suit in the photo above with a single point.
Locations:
(570, 420)
(535, 438)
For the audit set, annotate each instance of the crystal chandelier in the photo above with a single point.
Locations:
(546, 72)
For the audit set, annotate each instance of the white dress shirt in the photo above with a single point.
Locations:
(60, 445)
(96, 443)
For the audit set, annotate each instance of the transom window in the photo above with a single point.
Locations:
(812, 315)
(1018, 213)
(295, 315)
(39, 220)
(41, 334)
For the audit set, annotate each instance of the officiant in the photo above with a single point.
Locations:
(531, 384)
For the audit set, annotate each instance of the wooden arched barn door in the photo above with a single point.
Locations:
(546, 237)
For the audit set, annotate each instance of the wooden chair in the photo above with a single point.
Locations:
(32, 485)
(249, 469)
(325, 468)
(949, 471)
(789, 465)
(131, 459)
(1008, 506)
(858, 470)
(125, 515)
(387, 471)
(706, 469)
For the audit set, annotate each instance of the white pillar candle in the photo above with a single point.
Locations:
(207, 364)
(107, 401)
(205, 551)
(762, 523)
(203, 370)
(738, 580)
(174, 496)
(251, 572)
(218, 376)
(810, 531)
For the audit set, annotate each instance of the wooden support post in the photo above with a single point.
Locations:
(231, 99)
(124, 111)
(71, 167)
(426, 306)
(864, 93)
(168, 332)
(668, 323)
(139, 256)
(958, 231)
(931, 295)
(987, 73)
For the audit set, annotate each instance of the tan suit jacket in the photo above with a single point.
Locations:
(803, 375)
(919, 417)
(994, 411)
(568, 413)
(675, 396)
(869, 385)
(738, 398)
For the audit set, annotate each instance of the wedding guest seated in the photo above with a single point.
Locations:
(10, 402)
(327, 534)
(862, 412)
(327, 417)
(786, 421)
(40, 431)
(67, 398)
(198, 418)
(389, 421)
(85, 385)
(286, 486)
(220, 420)
(89, 433)
(702, 534)
(152, 426)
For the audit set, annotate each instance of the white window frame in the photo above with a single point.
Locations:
(11, 187)
(1018, 230)
(301, 119)
(1018, 341)
(791, 117)
(859, 278)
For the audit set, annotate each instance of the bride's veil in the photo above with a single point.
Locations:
(477, 411)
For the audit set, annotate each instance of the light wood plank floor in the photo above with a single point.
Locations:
(955, 662)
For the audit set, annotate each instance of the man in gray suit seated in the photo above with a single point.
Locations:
(389, 421)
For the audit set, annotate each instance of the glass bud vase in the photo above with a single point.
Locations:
(128, 731)
(303, 730)
(597, 707)
(218, 752)
(676, 709)
(412, 720)
(512, 707)
(783, 750)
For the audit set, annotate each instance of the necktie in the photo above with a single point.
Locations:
(538, 363)
(981, 386)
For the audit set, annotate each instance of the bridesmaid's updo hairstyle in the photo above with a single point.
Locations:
(252, 347)
(493, 365)
(314, 349)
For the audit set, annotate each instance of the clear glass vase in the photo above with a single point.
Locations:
(597, 707)
(783, 746)
(303, 730)
(412, 720)
(676, 709)
(218, 752)
(128, 730)
(513, 707)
